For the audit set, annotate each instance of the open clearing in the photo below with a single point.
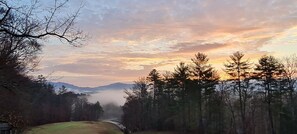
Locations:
(84, 127)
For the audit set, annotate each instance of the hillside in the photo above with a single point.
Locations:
(85, 127)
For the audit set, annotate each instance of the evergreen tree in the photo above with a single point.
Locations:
(138, 107)
(155, 85)
(269, 71)
(181, 76)
(238, 69)
(205, 78)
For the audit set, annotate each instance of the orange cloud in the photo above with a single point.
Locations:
(129, 38)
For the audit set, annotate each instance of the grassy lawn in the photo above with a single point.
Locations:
(85, 127)
(154, 132)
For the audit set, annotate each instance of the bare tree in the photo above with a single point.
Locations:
(22, 30)
(290, 73)
(23, 22)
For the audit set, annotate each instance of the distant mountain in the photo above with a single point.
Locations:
(77, 89)
(114, 86)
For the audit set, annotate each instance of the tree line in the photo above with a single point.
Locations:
(34, 102)
(26, 100)
(255, 99)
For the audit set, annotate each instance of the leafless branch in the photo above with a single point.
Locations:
(22, 23)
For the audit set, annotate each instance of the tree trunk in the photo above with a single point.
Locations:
(270, 111)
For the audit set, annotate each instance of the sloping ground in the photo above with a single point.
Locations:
(155, 132)
(116, 123)
(76, 128)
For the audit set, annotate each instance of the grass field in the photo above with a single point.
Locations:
(154, 132)
(86, 127)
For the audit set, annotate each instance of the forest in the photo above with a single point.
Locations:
(256, 98)
(26, 100)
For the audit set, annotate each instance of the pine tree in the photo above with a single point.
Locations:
(154, 79)
(269, 71)
(205, 78)
(238, 69)
(181, 76)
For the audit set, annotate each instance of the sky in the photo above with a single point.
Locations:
(128, 38)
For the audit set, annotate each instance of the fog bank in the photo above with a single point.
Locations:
(108, 96)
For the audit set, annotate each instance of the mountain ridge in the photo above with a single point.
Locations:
(78, 89)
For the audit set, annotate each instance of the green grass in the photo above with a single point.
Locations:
(155, 132)
(85, 127)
